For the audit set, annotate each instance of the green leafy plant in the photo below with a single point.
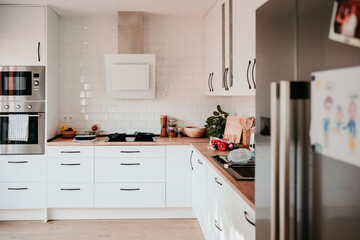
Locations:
(215, 125)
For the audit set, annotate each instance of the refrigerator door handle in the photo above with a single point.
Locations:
(284, 160)
(274, 106)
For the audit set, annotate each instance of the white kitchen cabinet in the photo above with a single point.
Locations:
(178, 176)
(230, 48)
(230, 210)
(70, 176)
(130, 151)
(22, 195)
(198, 165)
(130, 169)
(213, 50)
(70, 170)
(22, 168)
(129, 195)
(23, 39)
(70, 195)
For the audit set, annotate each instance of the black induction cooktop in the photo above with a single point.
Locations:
(135, 137)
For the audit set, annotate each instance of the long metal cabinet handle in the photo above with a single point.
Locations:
(225, 79)
(129, 151)
(252, 74)
(70, 189)
(217, 181)
(247, 74)
(130, 164)
(70, 152)
(284, 161)
(39, 51)
(274, 106)
(247, 218)
(191, 165)
(17, 161)
(16, 189)
(70, 164)
(216, 225)
(129, 189)
(209, 82)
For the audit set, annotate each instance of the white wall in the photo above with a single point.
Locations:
(177, 42)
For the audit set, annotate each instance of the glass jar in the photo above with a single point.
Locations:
(180, 132)
(172, 122)
(172, 132)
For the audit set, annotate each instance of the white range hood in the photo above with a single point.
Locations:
(130, 74)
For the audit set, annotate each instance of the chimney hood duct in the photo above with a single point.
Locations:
(130, 32)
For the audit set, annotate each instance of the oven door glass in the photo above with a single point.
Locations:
(15, 83)
(33, 131)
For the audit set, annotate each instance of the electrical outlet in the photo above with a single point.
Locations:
(67, 119)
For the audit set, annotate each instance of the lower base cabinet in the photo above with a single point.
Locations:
(70, 195)
(22, 195)
(221, 212)
(129, 195)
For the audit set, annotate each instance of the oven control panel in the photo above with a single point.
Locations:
(18, 107)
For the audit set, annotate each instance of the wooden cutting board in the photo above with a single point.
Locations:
(234, 128)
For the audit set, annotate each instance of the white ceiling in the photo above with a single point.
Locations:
(88, 7)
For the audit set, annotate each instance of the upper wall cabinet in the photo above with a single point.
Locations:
(23, 35)
(230, 48)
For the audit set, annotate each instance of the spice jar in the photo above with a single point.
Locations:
(172, 122)
(172, 132)
(180, 132)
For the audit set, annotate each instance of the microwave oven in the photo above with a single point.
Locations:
(22, 83)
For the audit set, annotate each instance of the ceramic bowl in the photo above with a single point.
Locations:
(195, 132)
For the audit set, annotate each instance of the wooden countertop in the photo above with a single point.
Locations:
(101, 142)
(246, 189)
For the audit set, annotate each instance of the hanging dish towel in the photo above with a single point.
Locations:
(18, 127)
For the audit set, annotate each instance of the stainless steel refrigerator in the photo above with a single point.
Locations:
(321, 198)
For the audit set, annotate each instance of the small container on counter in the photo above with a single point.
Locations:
(180, 132)
(172, 122)
(163, 122)
(172, 132)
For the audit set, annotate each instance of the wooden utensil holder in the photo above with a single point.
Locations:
(246, 137)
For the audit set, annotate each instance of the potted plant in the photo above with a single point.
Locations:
(215, 125)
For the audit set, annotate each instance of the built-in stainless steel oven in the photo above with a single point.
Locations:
(22, 83)
(35, 111)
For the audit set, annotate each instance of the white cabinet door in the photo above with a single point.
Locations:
(129, 195)
(178, 176)
(244, 28)
(213, 50)
(129, 169)
(70, 195)
(70, 152)
(199, 189)
(22, 35)
(70, 170)
(22, 195)
(22, 168)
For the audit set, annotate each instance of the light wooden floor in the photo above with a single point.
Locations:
(173, 229)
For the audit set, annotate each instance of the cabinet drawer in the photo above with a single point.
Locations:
(130, 170)
(70, 170)
(129, 195)
(216, 187)
(22, 195)
(22, 168)
(70, 151)
(130, 151)
(70, 195)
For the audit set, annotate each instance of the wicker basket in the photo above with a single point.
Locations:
(68, 134)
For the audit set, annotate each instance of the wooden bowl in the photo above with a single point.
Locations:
(68, 134)
(195, 132)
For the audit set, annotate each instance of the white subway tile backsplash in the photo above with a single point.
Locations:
(178, 44)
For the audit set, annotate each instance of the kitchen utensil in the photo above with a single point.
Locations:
(195, 132)
(84, 137)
